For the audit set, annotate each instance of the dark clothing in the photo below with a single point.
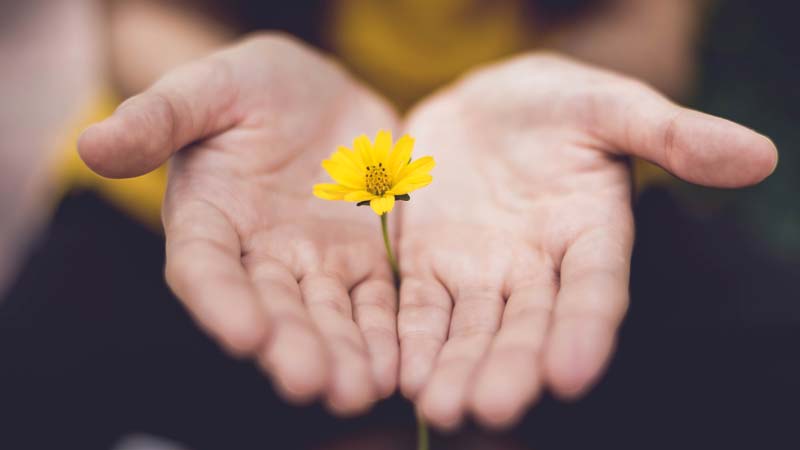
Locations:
(94, 346)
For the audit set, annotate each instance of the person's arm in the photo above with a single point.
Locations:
(651, 40)
(147, 38)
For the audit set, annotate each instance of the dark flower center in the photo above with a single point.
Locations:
(377, 180)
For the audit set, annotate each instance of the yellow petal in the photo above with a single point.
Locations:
(410, 184)
(382, 205)
(383, 143)
(344, 175)
(418, 167)
(328, 191)
(400, 155)
(363, 148)
(346, 157)
(359, 196)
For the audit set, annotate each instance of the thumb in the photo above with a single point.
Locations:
(190, 103)
(692, 145)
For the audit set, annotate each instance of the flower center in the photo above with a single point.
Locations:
(377, 180)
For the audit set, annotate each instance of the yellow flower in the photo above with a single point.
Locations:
(377, 174)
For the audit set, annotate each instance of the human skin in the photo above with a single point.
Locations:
(515, 260)
(274, 274)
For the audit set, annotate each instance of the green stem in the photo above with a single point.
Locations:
(422, 429)
(389, 252)
(422, 434)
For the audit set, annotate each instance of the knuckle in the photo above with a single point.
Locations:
(164, 112)
(670, 144)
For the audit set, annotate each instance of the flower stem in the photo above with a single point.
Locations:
(389, 252)
(422, 429)
(422, 434)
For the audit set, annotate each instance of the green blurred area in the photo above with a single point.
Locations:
(750, 69)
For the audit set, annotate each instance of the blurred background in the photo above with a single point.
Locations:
(96, 353)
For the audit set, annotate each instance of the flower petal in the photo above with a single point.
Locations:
(363, 147)
(400, 155)
(383, 143)
(347, 157)
(329, 191)
(382, 205)
(418, 167)
(359, 196)
(344, 175)
(410, 184)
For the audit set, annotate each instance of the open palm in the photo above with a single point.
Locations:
(515, 261)
(300, 284)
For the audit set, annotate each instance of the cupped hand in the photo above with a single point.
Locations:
(515, 261)
(299, 284)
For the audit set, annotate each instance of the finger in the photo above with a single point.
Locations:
(476, 318)
(694, 146)
(375, 313)
(509, 378)
(351, 388)
(294, 354)
(422, 324)
(186, 105)
(590, 305)
(205, 272)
